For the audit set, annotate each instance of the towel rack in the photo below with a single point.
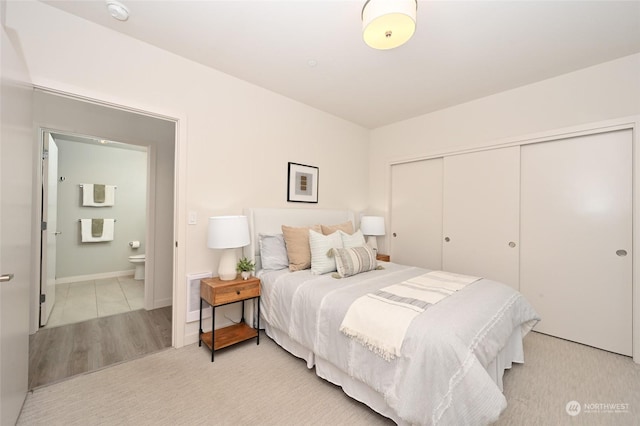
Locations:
(82, 186)
(115, 220)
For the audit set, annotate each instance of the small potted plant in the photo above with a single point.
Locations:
(245, 266)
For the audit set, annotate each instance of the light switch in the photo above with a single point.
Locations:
(193, 218)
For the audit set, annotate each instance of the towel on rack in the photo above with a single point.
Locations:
(98, 193)
(97, 226)
(91, 196)
(86, 230)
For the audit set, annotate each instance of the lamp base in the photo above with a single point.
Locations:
(372, 241)
(227, 266)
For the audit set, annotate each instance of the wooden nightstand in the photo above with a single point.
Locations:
(216, 293)
(383, 257)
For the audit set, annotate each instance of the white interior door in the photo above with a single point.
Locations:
(16, 159)
(50, 217)
(416, 213)
(481, 214)
(576, 238)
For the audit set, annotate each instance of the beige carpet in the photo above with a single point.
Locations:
(263, 385)
(557, 372)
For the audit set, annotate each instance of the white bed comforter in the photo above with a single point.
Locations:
(440, 376)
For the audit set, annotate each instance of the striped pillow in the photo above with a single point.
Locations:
(321, 260)
(352, 261)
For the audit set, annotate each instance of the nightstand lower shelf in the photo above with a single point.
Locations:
(229, 336)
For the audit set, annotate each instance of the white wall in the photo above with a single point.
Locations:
(82, 163)
(235, 139)
(602, 92)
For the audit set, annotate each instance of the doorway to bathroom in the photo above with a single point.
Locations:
(93, 279)
(92, 271)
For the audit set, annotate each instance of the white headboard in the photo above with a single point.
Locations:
(269, 221)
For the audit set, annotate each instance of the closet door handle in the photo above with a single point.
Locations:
(447, 239)
(512, 244)
(395, 235)
(621, 253)
(6, 277)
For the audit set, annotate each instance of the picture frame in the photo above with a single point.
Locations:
(193, 297)
(302, 183)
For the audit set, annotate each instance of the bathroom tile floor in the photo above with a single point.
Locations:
(84, 300)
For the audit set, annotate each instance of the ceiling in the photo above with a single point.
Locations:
(98, 142)
(312, 50)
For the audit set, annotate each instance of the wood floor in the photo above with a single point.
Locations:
(61, 352)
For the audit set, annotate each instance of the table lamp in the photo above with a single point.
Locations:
(228, 233)
(372, 226)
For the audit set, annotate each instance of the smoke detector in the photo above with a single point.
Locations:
(117, 10)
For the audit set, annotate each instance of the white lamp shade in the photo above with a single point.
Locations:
(372, 225)
(388, 23)
(228, 232)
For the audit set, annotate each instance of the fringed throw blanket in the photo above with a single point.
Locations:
(380, 320)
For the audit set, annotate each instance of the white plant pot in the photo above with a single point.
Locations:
(245, 275)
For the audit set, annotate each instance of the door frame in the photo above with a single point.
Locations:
(622, 123)
(179, 203)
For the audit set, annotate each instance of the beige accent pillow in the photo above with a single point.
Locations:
(297, 241)
(344, 227)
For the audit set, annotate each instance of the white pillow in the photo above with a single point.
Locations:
(354, 240)
(321, 246)
(273, 252)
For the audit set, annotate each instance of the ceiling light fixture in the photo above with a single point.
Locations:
(117, 10)
(387, 24)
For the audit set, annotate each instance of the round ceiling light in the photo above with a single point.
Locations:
(388, 23)
(117, 10)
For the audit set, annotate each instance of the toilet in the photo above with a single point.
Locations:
(138, 261)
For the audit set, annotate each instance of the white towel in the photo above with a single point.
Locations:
(87, 196)
(107, 231)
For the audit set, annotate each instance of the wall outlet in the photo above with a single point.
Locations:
(193, 218)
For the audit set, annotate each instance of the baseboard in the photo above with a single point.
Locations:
(100, 276)
(162, 303)
(190, 339)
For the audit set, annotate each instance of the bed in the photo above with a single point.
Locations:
(449, 366)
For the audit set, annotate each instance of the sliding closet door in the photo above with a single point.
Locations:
(481, 211)
(416, 213)
(576, 238)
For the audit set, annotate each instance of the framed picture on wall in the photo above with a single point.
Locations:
(302, 185)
